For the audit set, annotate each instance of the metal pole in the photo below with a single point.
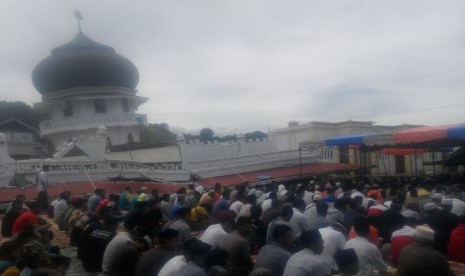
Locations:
(415, 157)
(300, 163)
(434, 163)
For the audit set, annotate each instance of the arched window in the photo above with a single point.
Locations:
(130, 138)
(100, 107)
(68, 110)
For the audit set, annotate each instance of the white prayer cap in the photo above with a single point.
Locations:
(446, 201)
(437, 196)
(317, 198)
(429, 206)
(424, 232)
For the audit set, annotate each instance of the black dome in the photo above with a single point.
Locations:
(84, 63)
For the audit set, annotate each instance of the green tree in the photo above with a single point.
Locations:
(259, 135)
(19, 111)
(163, 128)
(206, 134)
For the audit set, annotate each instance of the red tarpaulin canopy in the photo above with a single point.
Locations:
(423, 134)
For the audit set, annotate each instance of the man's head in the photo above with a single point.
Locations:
(286, 213)
(226, 193)
(362, 226)
(347, 261)
(322, 209)
(110, 222)
(65, 196)
(252, 199)
(226, 219)
(16, 205)
(35, 207)
(196, 252)
(244, 226)
(169, 238)
(100, 192)
(299, 204)
(283, 235)
(21, 197)
(312, 240)
(183, 213)
(216, 256)
(46, 168)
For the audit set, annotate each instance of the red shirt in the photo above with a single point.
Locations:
(27, 218)
(103, 203)
(457, 244)
(400, 239)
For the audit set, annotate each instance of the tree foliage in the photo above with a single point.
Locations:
(164, 128)
(258, 135)
(19, 111)
(206, 134)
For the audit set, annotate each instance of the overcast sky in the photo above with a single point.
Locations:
(246, 65)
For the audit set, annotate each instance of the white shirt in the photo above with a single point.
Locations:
(310, 212)
(333, 241)
(458, 207)
(370, 260)
(236, 207)
(214, 235)
(42, 182)
(266, 204)
(356, 193)
(173, 266)
(298, 222)
(304, 263)
(115, 244)
(59, 207)
(245, 211)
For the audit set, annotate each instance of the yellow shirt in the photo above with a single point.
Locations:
(196, 212)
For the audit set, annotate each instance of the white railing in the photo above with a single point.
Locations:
(61, 172)
(81, 171)
(90, 121)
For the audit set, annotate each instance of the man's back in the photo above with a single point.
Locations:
(304, 263)
(152, 261)
(274, 257)
(370, 259)
(94, 248)
(417, 259)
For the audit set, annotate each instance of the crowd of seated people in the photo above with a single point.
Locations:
(323, 227)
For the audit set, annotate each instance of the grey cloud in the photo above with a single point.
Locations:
(245, 65)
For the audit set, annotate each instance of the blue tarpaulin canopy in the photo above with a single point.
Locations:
(356, 139)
